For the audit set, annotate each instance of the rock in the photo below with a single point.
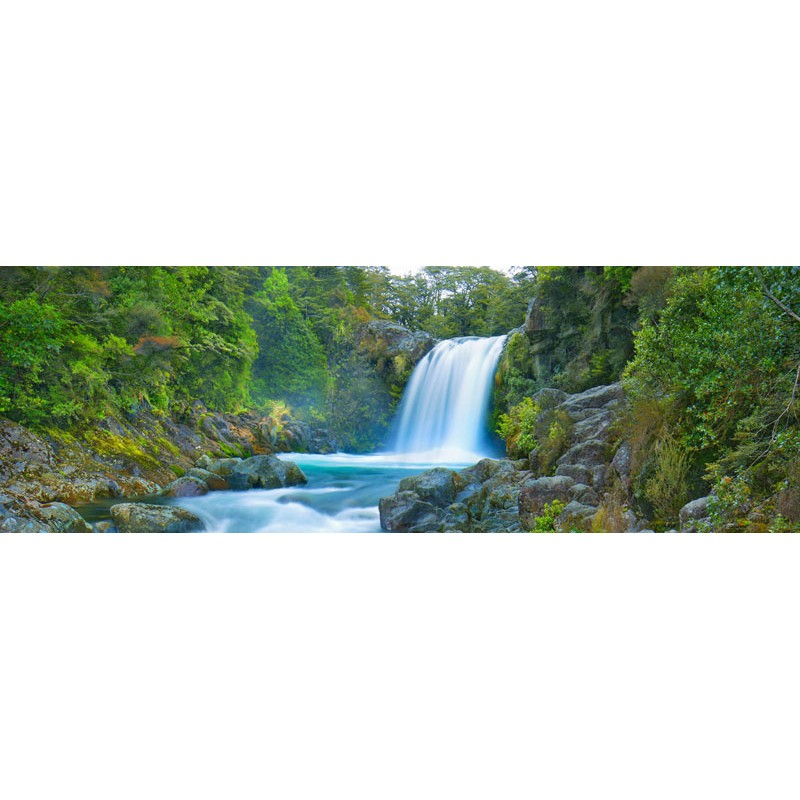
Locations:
(622, 464)
(104, 526)
(214, 482)
(575, 517)
(265, 472)
(591, 453)
(436, 486)
(596, 426)
(596, 397)
(224, 466)
(60, 518)
(599, 475)
(405, 512)
(456, 518)
(578, 473)
(187, 486)
(146, 518)
(535, 494)
(693, 513)
(631, 523)
(584, 494)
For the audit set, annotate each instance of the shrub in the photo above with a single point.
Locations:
(667, 487)
(518, 428)
(546, 522)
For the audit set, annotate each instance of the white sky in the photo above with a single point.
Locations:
(405, 269)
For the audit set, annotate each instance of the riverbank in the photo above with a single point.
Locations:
(44, 474)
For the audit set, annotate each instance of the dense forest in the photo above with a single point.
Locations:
(82, 343)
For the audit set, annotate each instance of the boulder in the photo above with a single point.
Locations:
(694, 513)
(61, 518)
(622, 464)
(575, 517)
(405, 512)
(146, 518)
(223, 466)
(578, 473)
(436, 486)
(584, 494)
(535, 494)
(596, 426)
(265, 472)
(214, 482)
(456, 518)
(591, 453)
(596, 397)
(187, 486)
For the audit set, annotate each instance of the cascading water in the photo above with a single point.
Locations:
(445, 406)
(442, 420)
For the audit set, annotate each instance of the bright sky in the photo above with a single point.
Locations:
(403, 270)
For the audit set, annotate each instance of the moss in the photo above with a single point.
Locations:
(109, 444)
(178, 470)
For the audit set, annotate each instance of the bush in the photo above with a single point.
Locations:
(668, 487)
(518, 428)
(546, 522)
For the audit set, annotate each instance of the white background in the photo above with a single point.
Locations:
(399, 666)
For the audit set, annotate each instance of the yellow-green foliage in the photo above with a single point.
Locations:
(667, 488)
(546, 522)
(518, 428)
(555, 443)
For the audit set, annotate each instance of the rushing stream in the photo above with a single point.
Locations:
(441, 422)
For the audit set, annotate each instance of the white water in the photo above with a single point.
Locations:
(442, 420)
(445, 407)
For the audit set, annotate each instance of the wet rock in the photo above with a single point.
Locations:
(60, 518)
(456, 518)
(265, 472)
(214, 482)
(693, 513)
(224, 467)
(437, 486)
(104, 526)
(187, 486)
(146, 518)
(405, 512)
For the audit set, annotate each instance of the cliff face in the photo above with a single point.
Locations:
(577, 334)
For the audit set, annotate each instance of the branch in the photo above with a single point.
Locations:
(772, 297)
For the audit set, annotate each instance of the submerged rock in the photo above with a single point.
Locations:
(266, 472)
(146, 518)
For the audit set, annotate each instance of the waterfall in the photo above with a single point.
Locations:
(444, 410)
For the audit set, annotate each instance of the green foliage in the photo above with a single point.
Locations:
(667, 487)
(518, 428)
(545, 523)
(719, 364)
